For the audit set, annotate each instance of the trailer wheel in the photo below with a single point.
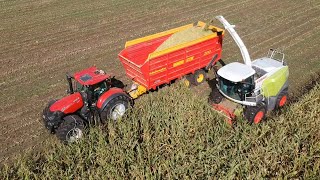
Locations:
(282, 99)
(71, 129)
(116, 108)
(215, 96)
(255, 114)
(187, 80)
(199, 77)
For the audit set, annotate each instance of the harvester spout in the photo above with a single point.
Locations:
(237, 39)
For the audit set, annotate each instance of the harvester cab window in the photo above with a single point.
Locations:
(229, 88)
(237, 90)
(247, 86)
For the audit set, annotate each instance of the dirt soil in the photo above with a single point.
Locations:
(40, 41)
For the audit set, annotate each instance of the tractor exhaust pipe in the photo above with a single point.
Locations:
(69, 79)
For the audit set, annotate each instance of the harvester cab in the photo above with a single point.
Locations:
(94, 97)
(253, 87)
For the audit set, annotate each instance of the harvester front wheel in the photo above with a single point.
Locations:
(255, 114)
(215, 96)
(71, 129)
(116, 108)
(282, 99)
(199, 77)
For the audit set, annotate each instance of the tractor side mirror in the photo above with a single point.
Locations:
(69, 79)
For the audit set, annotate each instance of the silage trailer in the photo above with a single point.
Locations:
(150, 67)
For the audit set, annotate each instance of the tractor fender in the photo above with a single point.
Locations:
(68, 104)
(105, 98)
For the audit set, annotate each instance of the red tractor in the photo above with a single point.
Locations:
(94, 97)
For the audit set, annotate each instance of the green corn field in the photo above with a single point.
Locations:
(162, 138)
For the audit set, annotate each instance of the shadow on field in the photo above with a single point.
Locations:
(212, 84)
(312, 81)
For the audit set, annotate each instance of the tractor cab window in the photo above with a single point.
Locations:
(75, 86)
(78, 87)
(99, 88)
(236, 90)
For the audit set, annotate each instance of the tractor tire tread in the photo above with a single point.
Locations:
(105, 113)
(46, 110)
(70, 122)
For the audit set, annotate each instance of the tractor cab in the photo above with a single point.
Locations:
(89, 82)
(236, 81)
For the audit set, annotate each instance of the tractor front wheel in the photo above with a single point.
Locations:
(255, 114)
(116, 108)
(71, 129)
(45, 113)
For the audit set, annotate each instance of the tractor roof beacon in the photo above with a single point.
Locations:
(260, 85)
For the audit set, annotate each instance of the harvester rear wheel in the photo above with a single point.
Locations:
(71, 129)
(199, 77)
(116, 108)
(255, 114)
(282, 99)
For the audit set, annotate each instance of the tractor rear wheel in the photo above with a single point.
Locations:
(116, 108)
(255, 114)
(215, 96)
(71, 129)
(282, 99)
(199, 77)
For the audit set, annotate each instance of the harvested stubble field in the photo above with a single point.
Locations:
(41, 40)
